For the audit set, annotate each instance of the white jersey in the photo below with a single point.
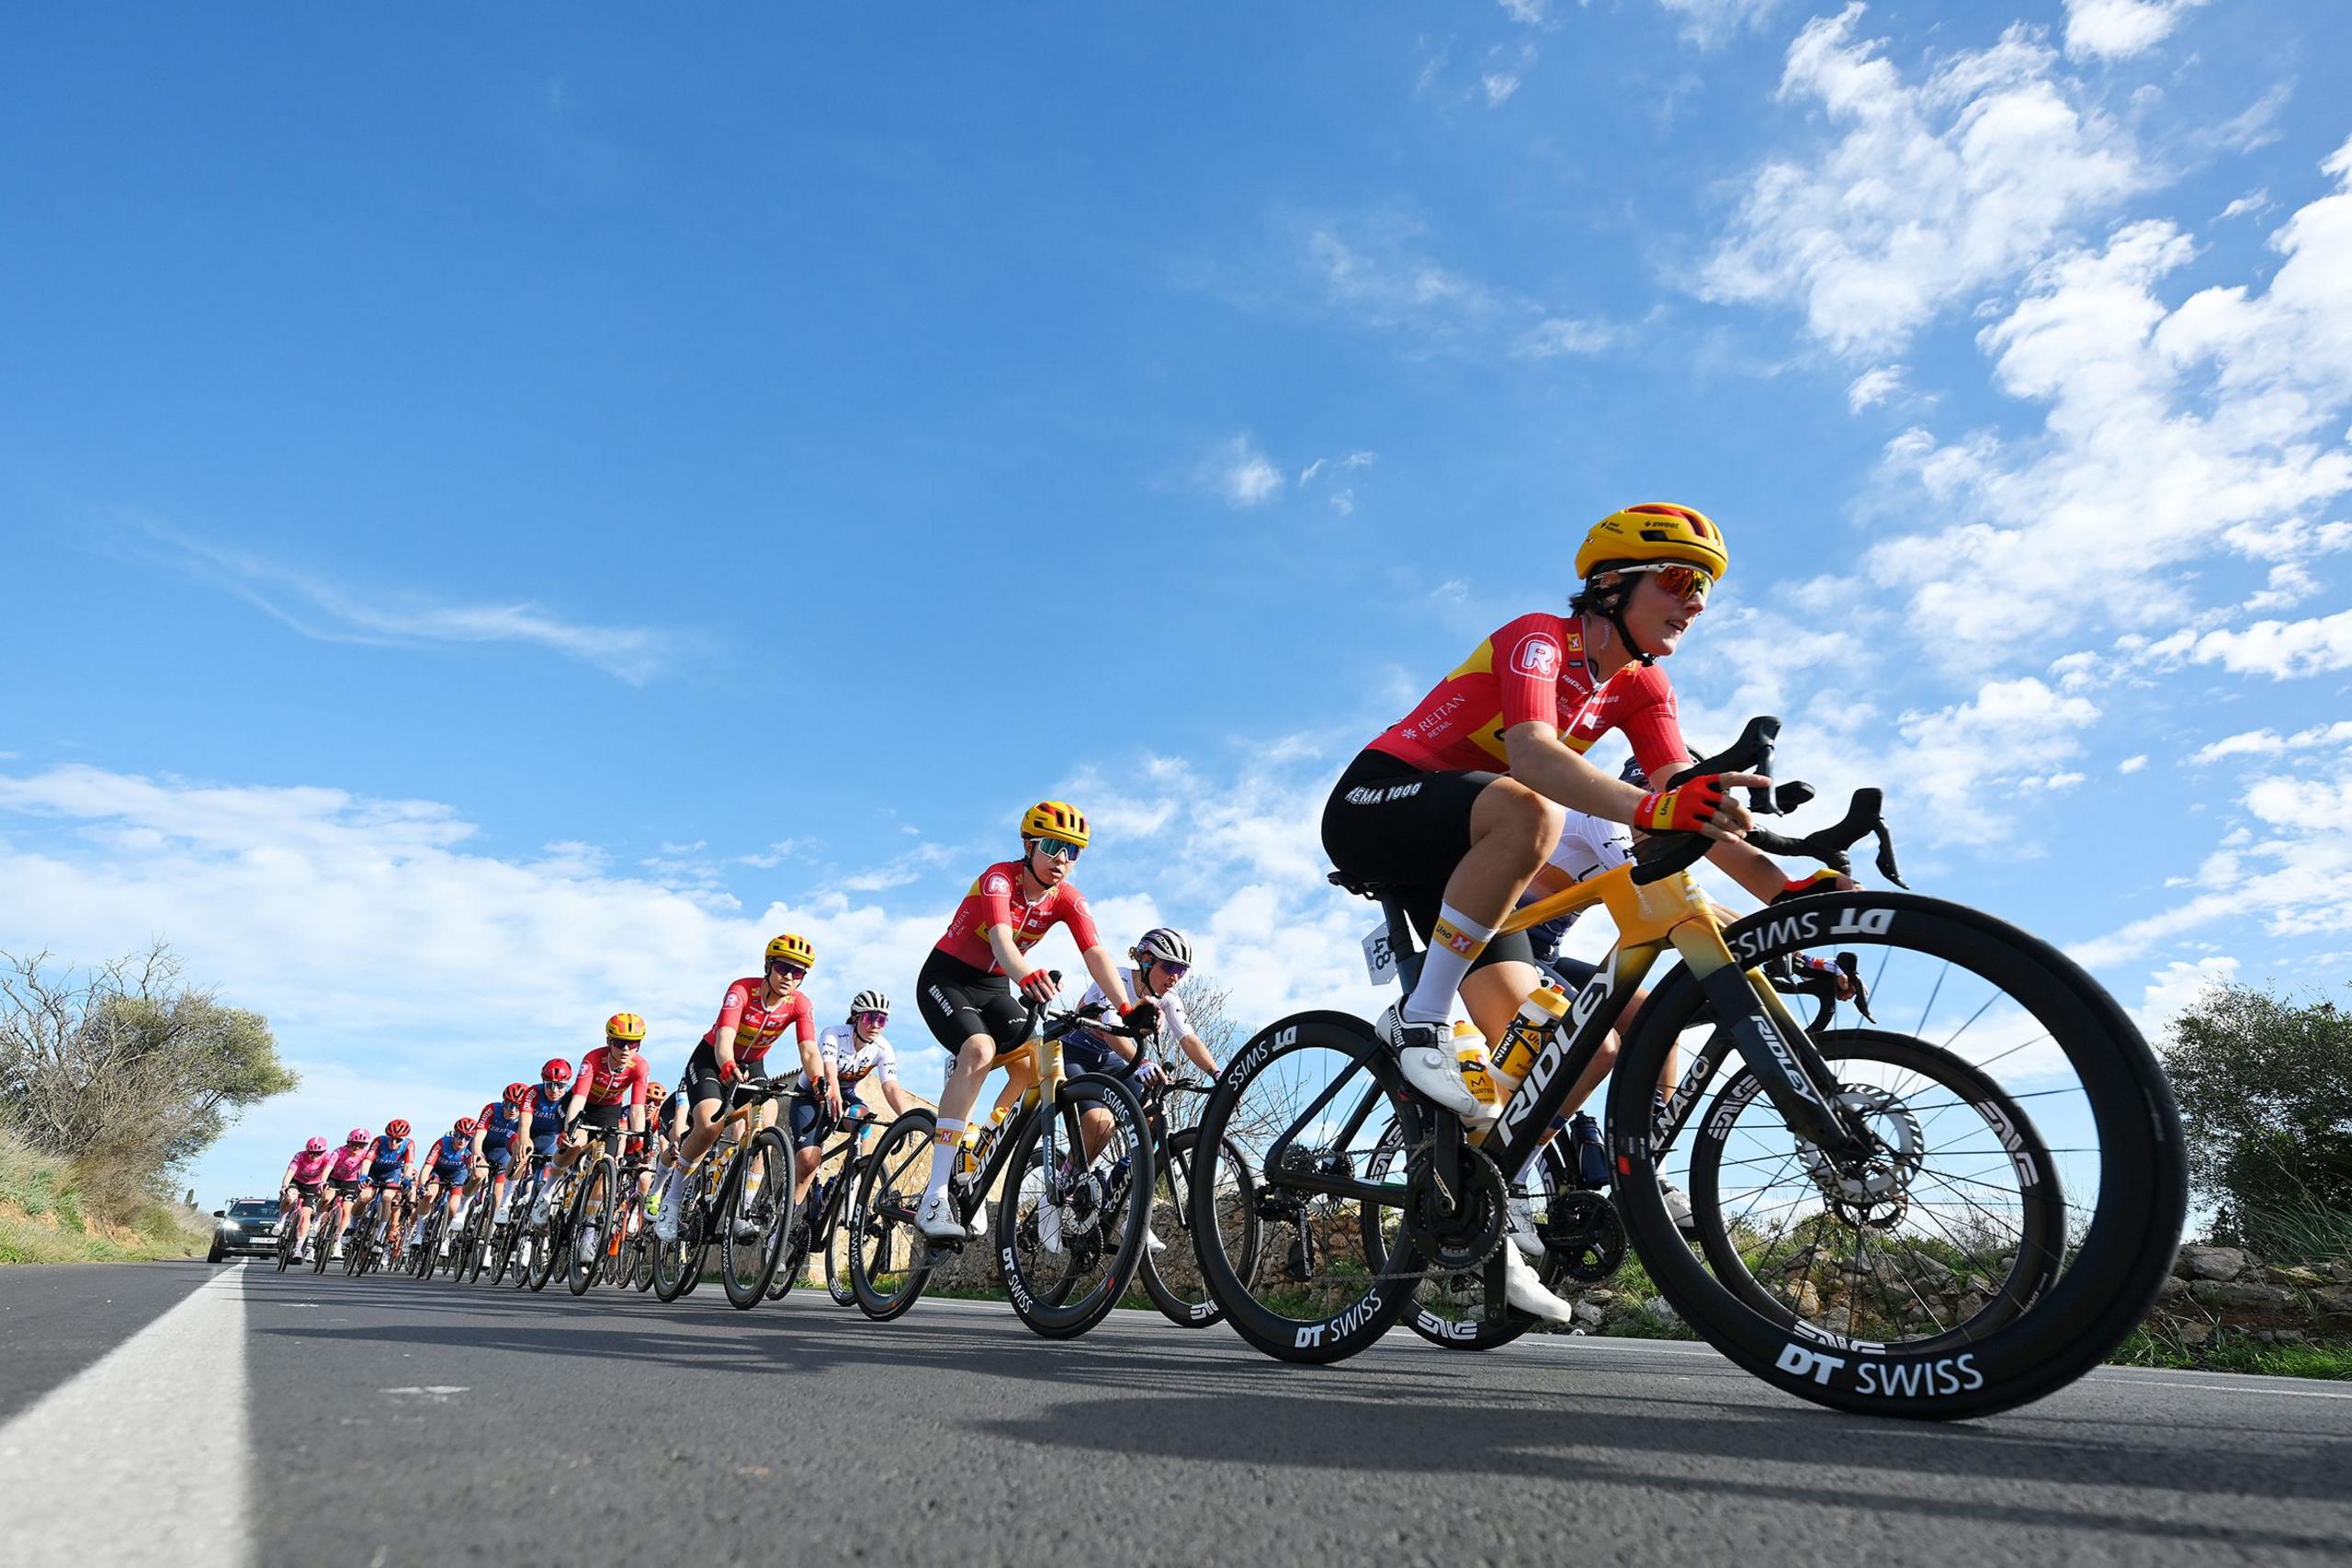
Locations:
(851, 1062)
(1590, 845)
(1175, 1023)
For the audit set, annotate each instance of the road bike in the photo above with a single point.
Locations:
(816, 1218)
(1882, 1225)
(510, 1224)
(1069, 1227)
(713, 1202)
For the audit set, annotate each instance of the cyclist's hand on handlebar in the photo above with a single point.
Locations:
(1040, 986)
(730, 1070)
(1823, 881)
(1147, 1073)
(1701, 805)
(833, 1103)
(1143, 1017)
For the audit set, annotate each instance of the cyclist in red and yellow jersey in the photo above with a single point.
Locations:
(965, 990)
(1454, 808)
(608, 1087)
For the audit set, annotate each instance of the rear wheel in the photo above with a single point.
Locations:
(888, 1258)
(1172, 1278)
(1977, 1260)
(552, 1239)
(1310, 1291)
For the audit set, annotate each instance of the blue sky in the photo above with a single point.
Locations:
(508, 511)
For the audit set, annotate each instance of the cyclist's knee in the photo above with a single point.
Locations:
(1518, 819)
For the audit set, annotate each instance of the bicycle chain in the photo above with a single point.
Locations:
(1432, 1272)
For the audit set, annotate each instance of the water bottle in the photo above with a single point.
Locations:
(1591, 1157)
(1470, 1050)
(1537, 1016)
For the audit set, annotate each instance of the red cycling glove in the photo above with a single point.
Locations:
(1039, 986)
(729, 1069)
(1686, 808)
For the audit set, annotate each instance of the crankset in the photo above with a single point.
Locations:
(1583, 1233)
(1455, 1234)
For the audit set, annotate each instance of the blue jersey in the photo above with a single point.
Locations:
(451, 1153)
(386, 1156)
(503, 1121)
(547, 1114)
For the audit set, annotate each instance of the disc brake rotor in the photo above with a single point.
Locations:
(1876, 1189)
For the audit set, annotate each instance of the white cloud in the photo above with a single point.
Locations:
(1711, 22)
(2117, 29)
(1237, 473)
(2280, 650)
(1528, 12)
(2171, 434)
(1498, 86)
(393, 618)
(2175, 989)
(2271, 743)
(1375, 272)
(1557, 335)
(1961, 760)
(1873, 386)
(2132, 764)
(1933, 190)
(2251, 205)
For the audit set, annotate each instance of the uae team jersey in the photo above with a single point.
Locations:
(995, 900)
(1533, 669)
(610, 1082)
(758, 1025)
(851, 1062)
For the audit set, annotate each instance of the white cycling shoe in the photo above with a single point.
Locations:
(1152, 1244)
(1519, 1224)
(1678, 1207)
(936, 1218)
(1525, 1291)
(1425, 1051)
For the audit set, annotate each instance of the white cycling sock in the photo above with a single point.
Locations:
(943, 1155)
(1455, 942)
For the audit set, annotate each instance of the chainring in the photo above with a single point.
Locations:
(1454, 1237)
(1583, 1236)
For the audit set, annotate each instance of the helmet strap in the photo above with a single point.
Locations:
(1610, 603)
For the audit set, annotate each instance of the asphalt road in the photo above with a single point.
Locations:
(384, 1421)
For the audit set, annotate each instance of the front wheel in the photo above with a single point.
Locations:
(592, 1214)
(754, 1220)
(1070, 1230)
(889, 1261)
(1960, 1259)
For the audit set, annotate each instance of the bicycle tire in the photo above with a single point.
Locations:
(1044, 1304)
(554, 1238)
(878, 1236)
(1345, 1319)
(2120, 1262)
(747, 1264)
(1175, 1181)
(593, 1205)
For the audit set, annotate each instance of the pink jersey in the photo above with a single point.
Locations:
(347, 1164)
(310, 1169)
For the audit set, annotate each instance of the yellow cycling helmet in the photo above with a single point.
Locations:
(624, 1026)
(793, 949)
(1655, 532)
(1054, 819)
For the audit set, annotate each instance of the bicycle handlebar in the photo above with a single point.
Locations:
(1663, 854)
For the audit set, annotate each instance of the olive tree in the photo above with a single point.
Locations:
(123, 1068)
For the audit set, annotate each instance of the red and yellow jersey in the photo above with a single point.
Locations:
(607, 1080)
(758, 1025)
(1533, 669)
(995, 900)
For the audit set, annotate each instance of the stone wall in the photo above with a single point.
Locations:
(2215, 1288)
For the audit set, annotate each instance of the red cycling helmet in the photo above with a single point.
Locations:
(464, 1127)
(395, 1128)
(359, 1135)
(315, 1146)
(556, 1070)
(516, 1093)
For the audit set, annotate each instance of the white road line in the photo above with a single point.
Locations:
(140, 1458)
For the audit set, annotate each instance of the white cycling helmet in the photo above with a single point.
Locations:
(1165, 944)
(869, 1001)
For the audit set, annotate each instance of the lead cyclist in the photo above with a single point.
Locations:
(1455, 808)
